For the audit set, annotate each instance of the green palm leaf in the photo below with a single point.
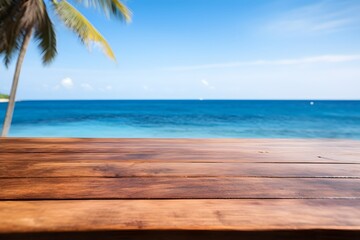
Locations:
(74, 20)
(45, 34)
(110, 7)
(21, 19)
(17, 17)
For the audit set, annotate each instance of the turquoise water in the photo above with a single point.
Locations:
(188, 119)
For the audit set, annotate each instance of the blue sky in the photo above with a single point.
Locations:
(207, 49)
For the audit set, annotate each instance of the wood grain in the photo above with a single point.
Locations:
(177, 188)
(49, 168)
(191, 156)
(227, 144)
(115, 148)
(39, 216)
(182, 150)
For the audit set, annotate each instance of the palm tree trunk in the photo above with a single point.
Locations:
(11, 103)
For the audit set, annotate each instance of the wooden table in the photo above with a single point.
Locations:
(179, 189)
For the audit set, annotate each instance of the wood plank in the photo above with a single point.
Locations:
(200, 153)
(239, 215)
(245, 189)
(204, 150)
(177, 188)
(189, 156)
(49, 168)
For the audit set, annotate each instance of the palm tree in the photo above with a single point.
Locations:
(22, 19)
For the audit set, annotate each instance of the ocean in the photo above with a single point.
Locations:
(186, 119)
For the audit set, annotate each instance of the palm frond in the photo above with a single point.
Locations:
(111, 8)
(10, 28)
(17, 18)
(45, 34)
(12, 46)
(74, 20)
(4, 4)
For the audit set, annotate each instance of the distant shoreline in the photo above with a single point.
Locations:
(4, 100)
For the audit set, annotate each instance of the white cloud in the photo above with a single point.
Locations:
(293, 61)
(87, 87)
(67, 83)
(107, 88)
(321, 17)
(206, 83)
(146, 88)
(332, 24)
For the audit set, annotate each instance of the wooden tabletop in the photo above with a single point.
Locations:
(179, 189)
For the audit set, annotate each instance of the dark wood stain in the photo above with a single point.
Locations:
(179, 189)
